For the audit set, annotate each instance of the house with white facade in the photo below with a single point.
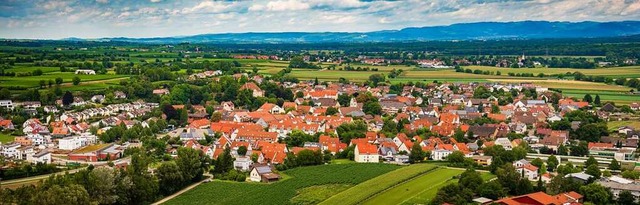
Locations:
(366, 153)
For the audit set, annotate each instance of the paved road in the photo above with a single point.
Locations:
(165, 199)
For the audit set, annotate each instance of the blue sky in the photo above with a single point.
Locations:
(54, 19)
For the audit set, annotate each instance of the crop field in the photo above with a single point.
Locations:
(628, 71)
(419, 190)
(619, 98)
(334, 75)
(34, 81)
(26, 68)
(614, 125)
(306, 184)
(365, 190)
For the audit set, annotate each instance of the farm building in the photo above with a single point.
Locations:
(85, 72)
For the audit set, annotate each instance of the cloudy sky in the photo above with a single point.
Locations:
(54, 19)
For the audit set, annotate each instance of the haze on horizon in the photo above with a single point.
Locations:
(56, 19)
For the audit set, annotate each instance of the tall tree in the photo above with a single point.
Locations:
(169, 176)
(587, 98)
(5, 94)
(67, 98)
(595, 193)
(591, 161)
(625, 197)
(190, 163)
(615, 165)
(552, 162)
(470, 179)
(224, 163)
(416, 155)
(59, 80)
(76, 80)
(597, 100)
(492, 189)
(594, 171)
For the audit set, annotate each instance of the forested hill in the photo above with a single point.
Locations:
(462, 31)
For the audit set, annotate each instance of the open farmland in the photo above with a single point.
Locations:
(628, 71)
(420, 190)
(296, 188)
(363, 191)
(614, 125)
(67, 77)
(334, 75)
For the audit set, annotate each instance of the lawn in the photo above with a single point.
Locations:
(305, 185)
(4, 138)
(365, 190)
(421, 189)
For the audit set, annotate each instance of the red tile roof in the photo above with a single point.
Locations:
(366, 148)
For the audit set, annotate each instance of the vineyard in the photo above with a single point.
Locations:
(223, 192)
(368, 189)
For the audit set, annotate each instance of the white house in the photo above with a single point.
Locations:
(72, 143)
(530, 171)
(242, 163)
(40, 157)
(7, 104)
(366, 153)
(504, 142)
(85, 72)
(440, 154)
(10, 150)
(263, 173)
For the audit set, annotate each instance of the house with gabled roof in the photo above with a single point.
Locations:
(256, 91)
(366, 153)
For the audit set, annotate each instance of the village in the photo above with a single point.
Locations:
(387, 124)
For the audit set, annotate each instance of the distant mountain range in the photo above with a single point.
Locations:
(461, 31)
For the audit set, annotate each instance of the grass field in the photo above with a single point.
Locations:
(418, 190)
(614, 125)
(628, 71)
(365, 190)
(304, 185)
(34, 81)
(421, 189)
(4, 138)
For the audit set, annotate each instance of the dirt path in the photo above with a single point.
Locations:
(93, 82)
(165, 199)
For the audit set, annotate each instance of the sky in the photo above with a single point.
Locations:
(56, 19)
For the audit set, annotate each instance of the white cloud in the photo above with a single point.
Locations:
(209, 7)
(60, 18)
(287, 5)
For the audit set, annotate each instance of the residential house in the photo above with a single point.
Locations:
(263, 173)
(256, 91)
(6, 104)
(242, 163)
(366, 153)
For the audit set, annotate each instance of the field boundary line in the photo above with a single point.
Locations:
(419, 193)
